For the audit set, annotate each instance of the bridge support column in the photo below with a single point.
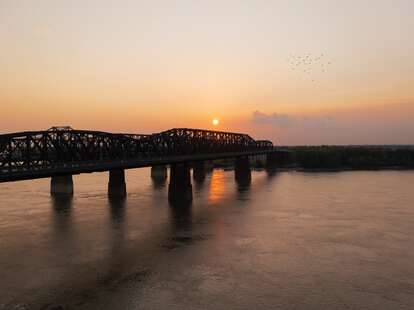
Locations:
(242, 171)
(180, 188)
(116, 184)
(279, 158)
(61, 185)
(209, 165)
(271, 160)
(258, 161)
(199, 171)
(159, 176)
(159, 172)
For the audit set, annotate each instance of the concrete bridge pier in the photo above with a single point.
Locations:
(159, 176)
(116, 184)
(209, 165)
(257, 161)
(180, 189)
(242, 171)
(61, 185)
(271, 160)
(199, 171)
(159, 172)
(279, 158)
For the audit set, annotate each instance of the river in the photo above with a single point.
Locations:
(289, 240)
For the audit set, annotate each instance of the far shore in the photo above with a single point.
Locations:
(335, 159)
(316, 170)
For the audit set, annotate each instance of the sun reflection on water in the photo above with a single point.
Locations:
(217, 188)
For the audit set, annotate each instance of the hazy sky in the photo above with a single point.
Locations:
(297, 72)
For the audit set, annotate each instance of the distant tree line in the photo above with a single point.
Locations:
(348, 157)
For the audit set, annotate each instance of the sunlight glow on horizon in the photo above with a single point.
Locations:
(310, 68)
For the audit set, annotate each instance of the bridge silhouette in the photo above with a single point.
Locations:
(61, 152)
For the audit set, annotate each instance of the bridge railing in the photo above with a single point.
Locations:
(65, 146)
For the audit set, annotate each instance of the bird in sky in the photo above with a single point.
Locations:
(312, 65)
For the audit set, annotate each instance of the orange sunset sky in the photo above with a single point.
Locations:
(295, 72)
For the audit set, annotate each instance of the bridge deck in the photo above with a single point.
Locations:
(59, 151)
(89, 167)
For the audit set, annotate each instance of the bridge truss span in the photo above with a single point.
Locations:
(63, 150)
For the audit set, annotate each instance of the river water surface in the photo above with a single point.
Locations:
(290, 240)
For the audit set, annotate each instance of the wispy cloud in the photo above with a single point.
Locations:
(287, 120)
(283, 120)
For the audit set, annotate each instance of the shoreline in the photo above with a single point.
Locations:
(316, 170)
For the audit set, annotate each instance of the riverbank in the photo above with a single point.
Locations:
(337, 158)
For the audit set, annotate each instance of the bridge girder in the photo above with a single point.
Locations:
(60, 147)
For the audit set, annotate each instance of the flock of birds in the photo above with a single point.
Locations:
(309, 65)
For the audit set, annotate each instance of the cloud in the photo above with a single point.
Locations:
(282, 120)
(286, 120)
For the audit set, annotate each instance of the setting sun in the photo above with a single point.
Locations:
(215, 122)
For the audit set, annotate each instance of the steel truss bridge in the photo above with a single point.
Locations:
(63, 150)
